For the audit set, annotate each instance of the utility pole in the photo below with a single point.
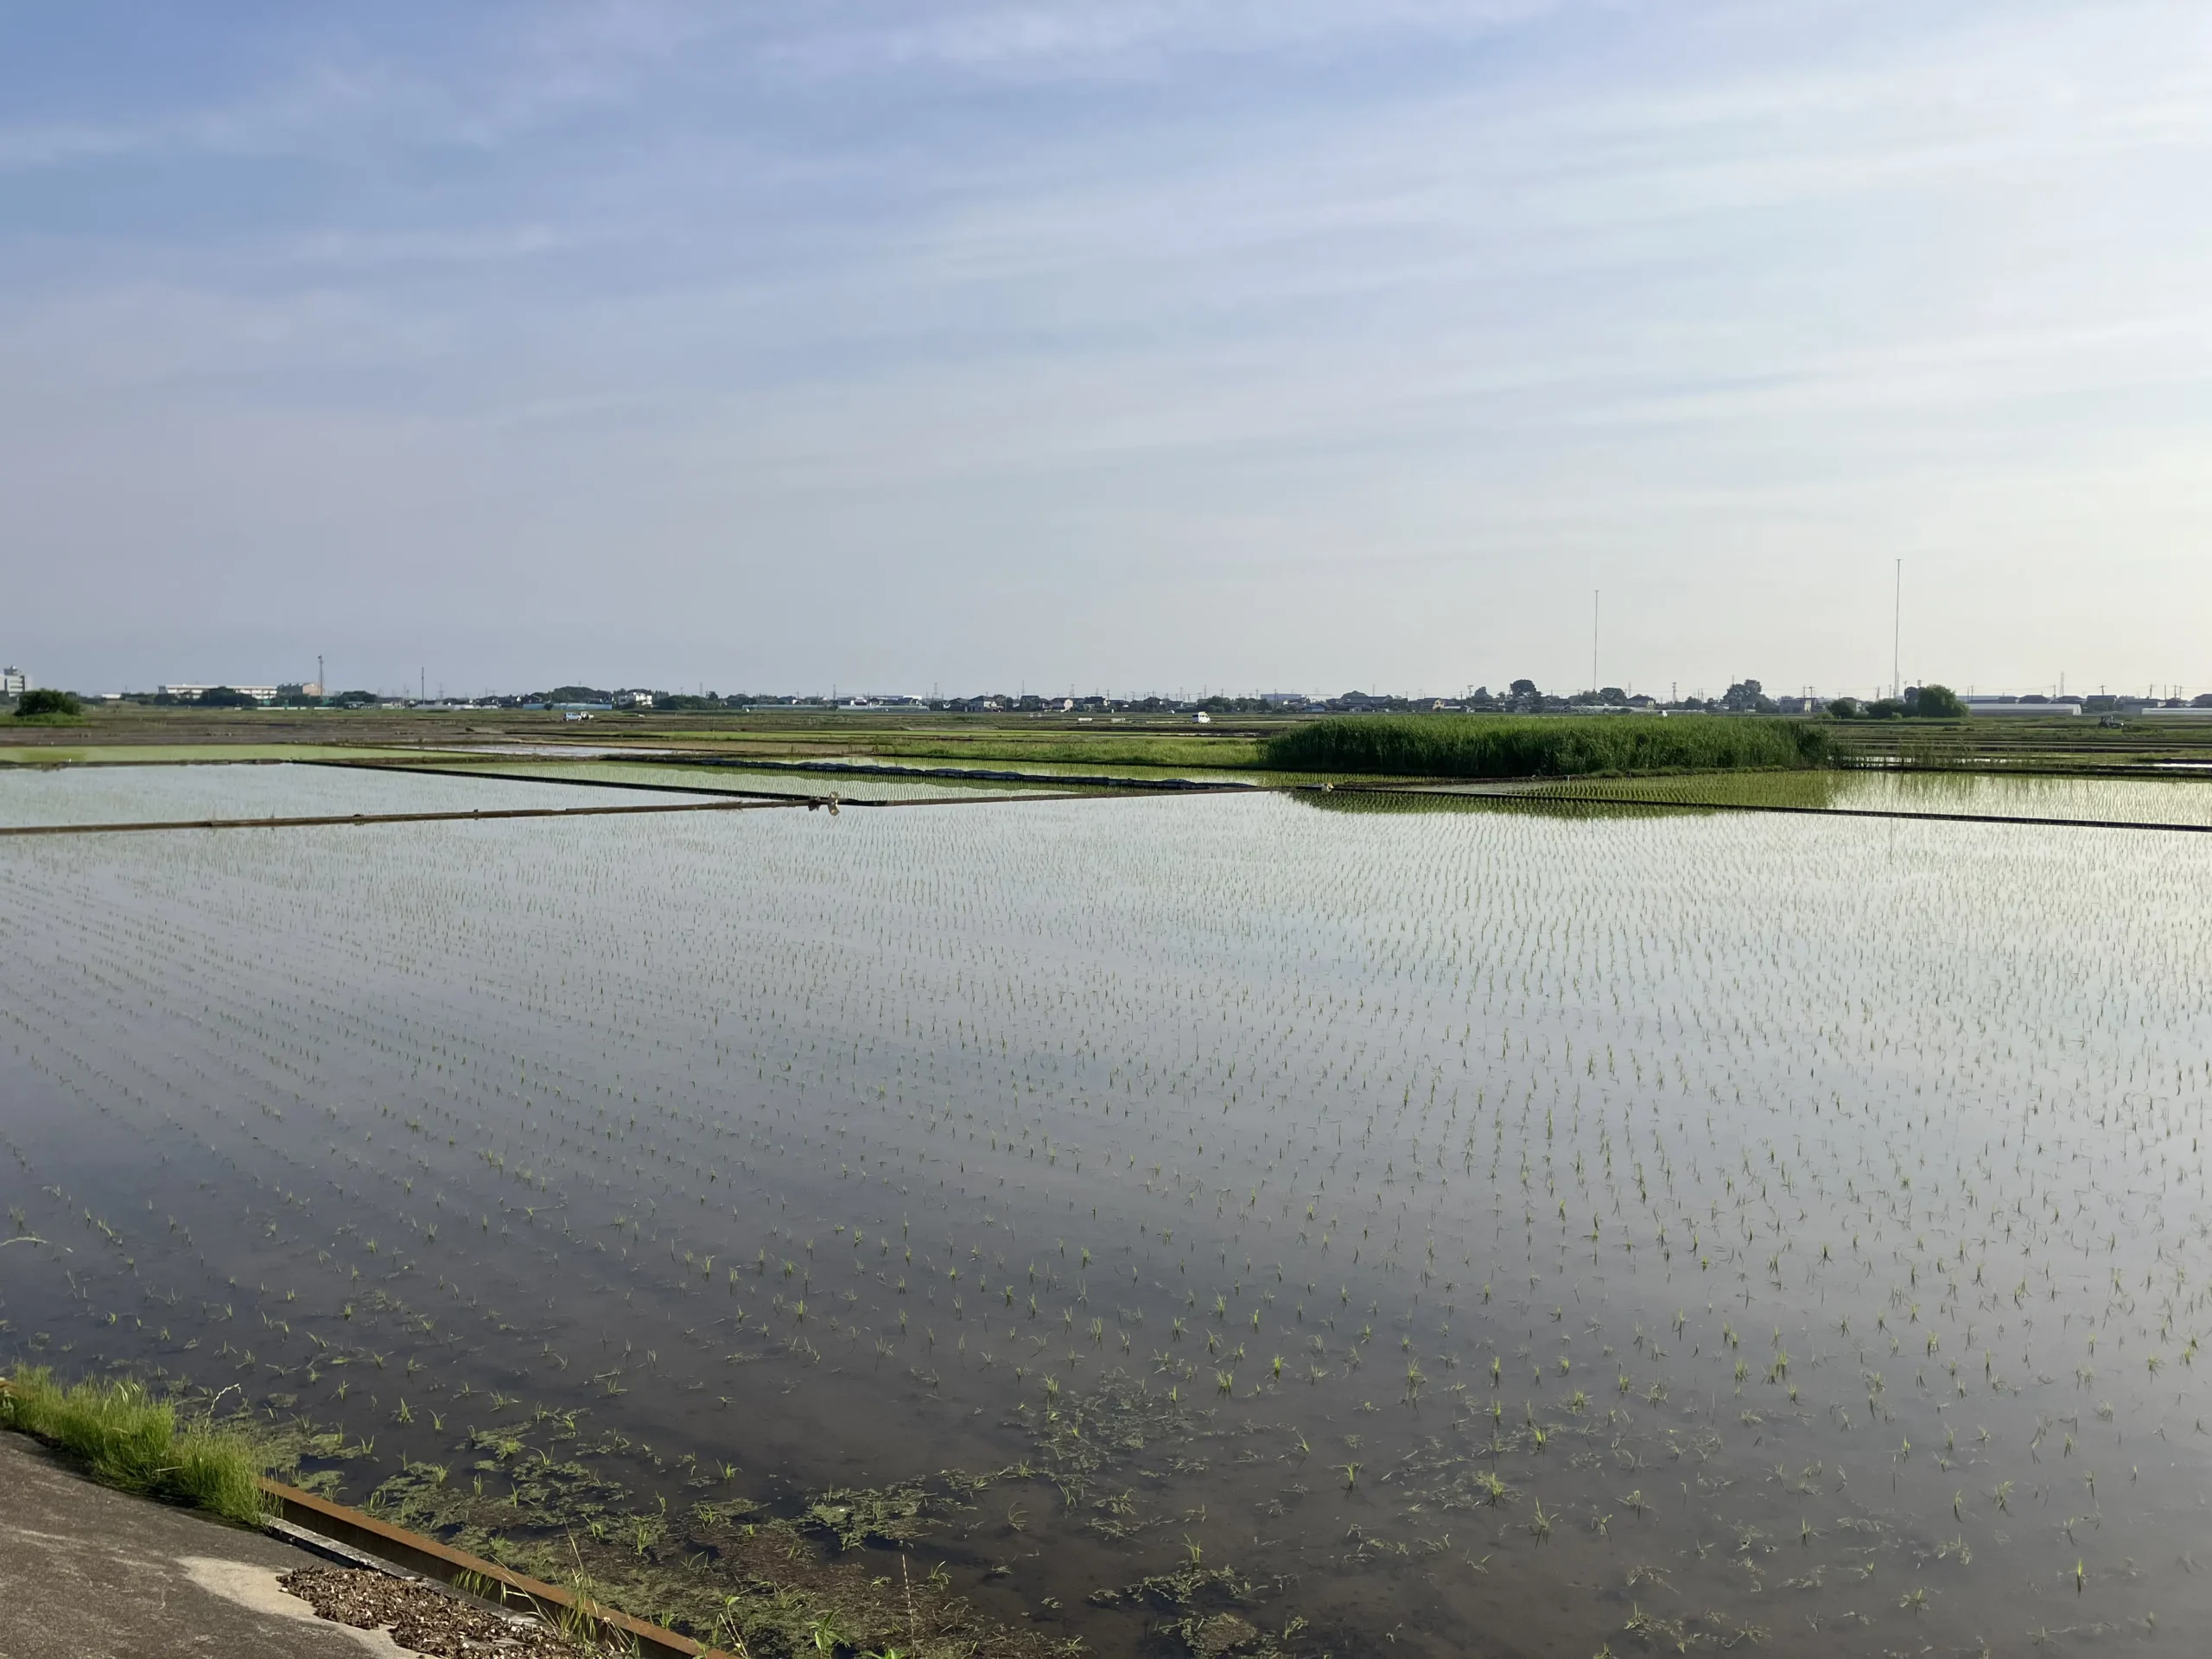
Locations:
(1897, 635)
(322, 686)
(1593, 641)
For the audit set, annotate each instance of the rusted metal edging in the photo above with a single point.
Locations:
(473, 1573)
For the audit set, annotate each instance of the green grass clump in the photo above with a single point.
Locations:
(1478, 746)
(127, 1439)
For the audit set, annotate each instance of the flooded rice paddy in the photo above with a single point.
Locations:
(1220, 1225)
(2117, 800)
(162, 794)
(720, 776)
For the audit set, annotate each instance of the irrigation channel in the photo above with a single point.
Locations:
(1258, 1222)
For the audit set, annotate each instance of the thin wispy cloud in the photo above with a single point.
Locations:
(1070, 41)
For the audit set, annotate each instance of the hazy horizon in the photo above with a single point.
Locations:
(1306, 346)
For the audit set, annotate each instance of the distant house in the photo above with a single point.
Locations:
(633, 699)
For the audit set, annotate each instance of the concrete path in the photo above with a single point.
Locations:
(89, 1573)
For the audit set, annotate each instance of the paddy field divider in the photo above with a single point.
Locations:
(1077, 784)
(484, 814)
(1519, 791)
(728, 802)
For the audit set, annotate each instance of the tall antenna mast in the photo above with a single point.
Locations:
(1897, 635)
(1593, 641)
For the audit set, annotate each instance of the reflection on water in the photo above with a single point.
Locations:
(722, 776)
(1455, 1225)
(1412, 802)
(2116, 800)
(169, 794)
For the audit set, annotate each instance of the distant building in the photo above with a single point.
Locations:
(258, 693)
(2044, 707)
(14, 682)
(633, 699)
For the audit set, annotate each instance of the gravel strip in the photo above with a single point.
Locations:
(421, 1619)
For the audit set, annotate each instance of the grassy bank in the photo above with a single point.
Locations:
(127, 1439)
(985, 744)
(1478, 746)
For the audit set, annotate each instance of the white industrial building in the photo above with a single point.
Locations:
(2047, 708)
(14, 682)
(258, 693)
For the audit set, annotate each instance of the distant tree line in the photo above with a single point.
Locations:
(43, 700)
(1433, 746)
(1919, 702)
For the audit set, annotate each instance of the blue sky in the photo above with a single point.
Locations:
(1150, 346)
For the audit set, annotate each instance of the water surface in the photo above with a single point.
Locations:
(1482, 1230)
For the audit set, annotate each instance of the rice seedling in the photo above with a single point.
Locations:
(1730, 1107)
